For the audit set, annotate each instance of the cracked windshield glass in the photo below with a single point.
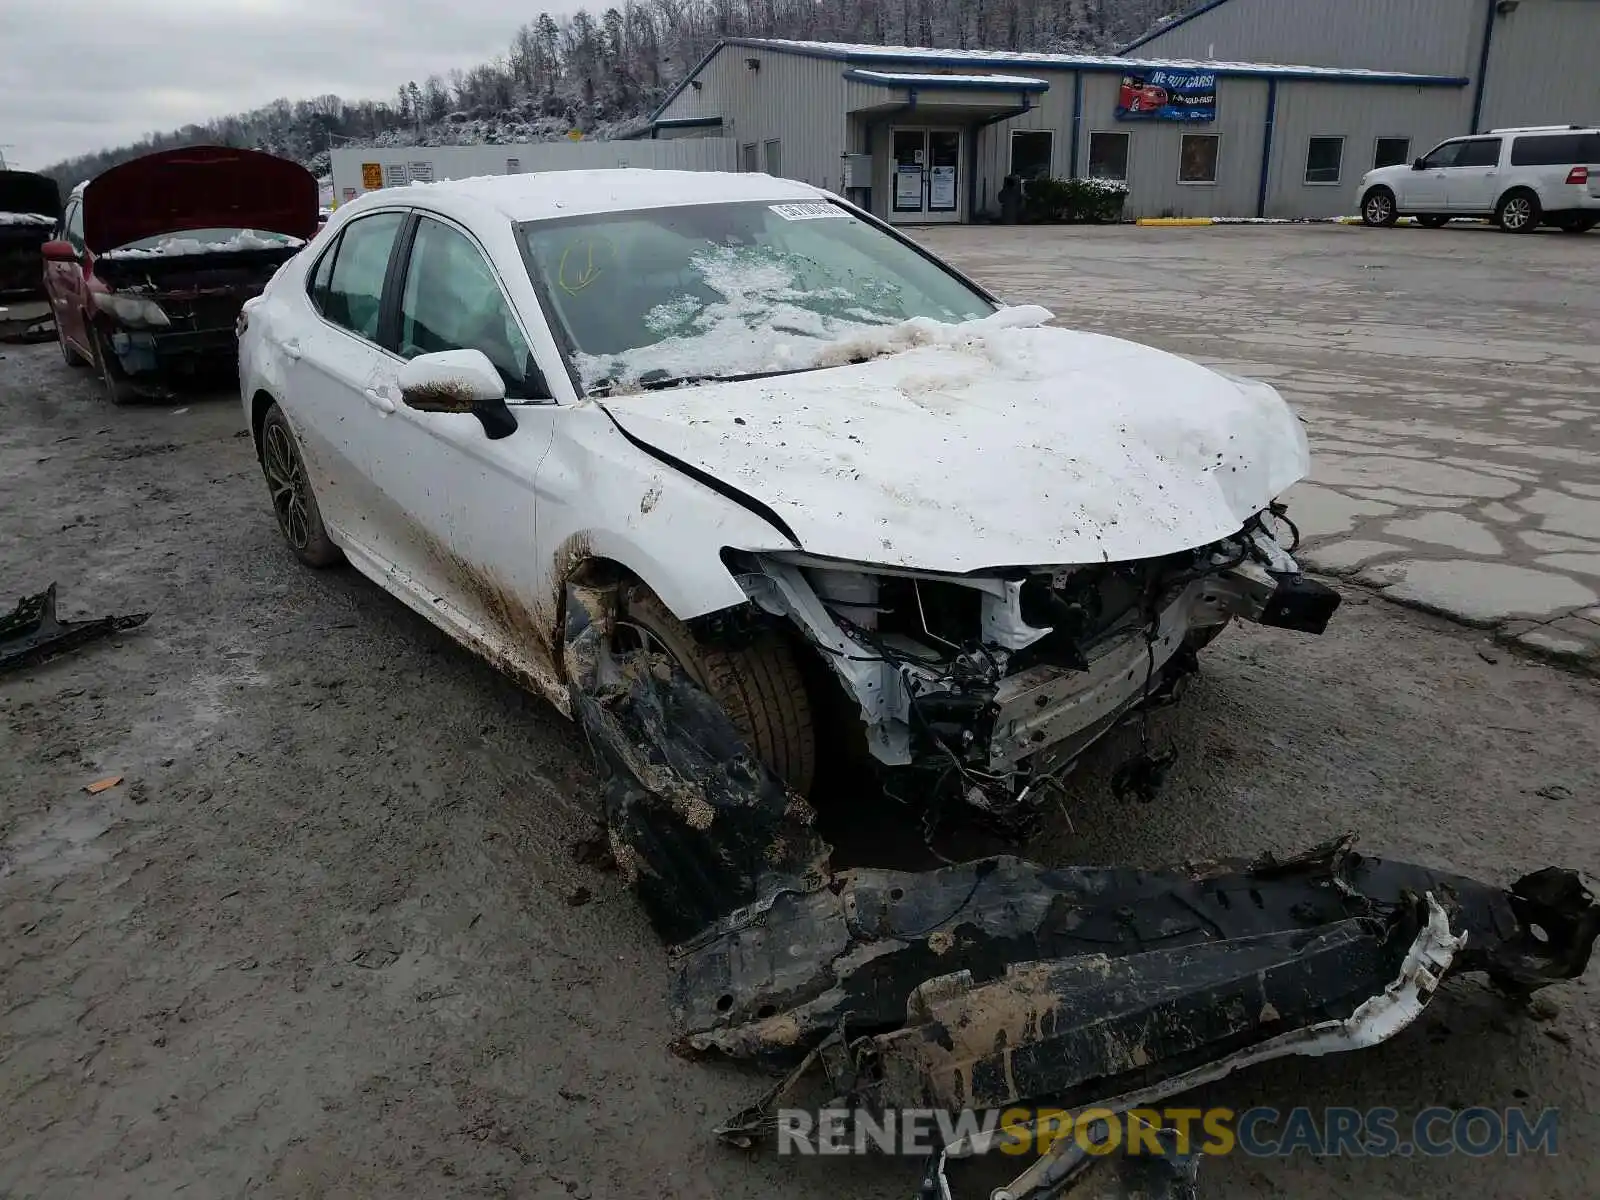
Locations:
(647, 299)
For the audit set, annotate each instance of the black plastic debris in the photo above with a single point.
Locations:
(31, 633)
(999, 982)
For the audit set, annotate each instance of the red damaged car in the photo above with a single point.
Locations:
(154, 259)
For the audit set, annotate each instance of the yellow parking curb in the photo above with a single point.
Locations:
(1173, 221)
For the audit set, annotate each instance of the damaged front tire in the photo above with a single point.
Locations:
(758, 684)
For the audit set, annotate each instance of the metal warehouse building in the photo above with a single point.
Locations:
(1242, 108)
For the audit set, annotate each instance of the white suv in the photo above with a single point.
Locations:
(1519, 177)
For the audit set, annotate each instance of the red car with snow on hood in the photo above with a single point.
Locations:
(154, 258)
(30, 206)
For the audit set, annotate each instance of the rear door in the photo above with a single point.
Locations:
(1564, 168)
(334, 362)
(1472, 185)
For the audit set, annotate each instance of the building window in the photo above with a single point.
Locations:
(1197, 158)
(1324, 157)
(774, 158)
(1031, 151)
(1108, 156)
(750, 149)
(1391, 152)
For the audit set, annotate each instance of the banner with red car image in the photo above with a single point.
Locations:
(1168, 94)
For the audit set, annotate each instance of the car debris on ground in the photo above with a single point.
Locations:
(994, 983)
(31, 633)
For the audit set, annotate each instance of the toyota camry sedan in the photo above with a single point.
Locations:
(839, 484)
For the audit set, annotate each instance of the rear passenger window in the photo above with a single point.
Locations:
(1481, 152)
(320, 277)
(354, 294)
(1556, 150)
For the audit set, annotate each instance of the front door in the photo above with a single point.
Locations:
(926, 168)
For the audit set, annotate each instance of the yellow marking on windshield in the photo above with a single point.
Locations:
(576, 272)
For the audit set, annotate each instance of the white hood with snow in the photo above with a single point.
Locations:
(995, 443)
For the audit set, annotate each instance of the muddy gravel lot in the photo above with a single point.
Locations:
(329, 937)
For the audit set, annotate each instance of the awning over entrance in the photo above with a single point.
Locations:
(949, 97)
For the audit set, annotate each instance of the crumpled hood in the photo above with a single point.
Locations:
(987, 445)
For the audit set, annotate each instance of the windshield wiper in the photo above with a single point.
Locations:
(658, 380)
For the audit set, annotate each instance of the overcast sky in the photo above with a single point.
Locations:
(82, 75)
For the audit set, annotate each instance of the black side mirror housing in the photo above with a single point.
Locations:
(1417, 165)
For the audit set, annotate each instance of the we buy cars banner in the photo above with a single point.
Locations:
(1168, 95)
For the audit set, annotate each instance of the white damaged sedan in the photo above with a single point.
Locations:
(836, 481)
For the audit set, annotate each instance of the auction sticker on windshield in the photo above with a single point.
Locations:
(807, 212)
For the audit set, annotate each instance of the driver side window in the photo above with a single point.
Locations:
(452, 301)
(1443, 156)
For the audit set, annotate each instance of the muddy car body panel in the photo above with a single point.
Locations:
(999, 536)
(30, 206)
(155, 258)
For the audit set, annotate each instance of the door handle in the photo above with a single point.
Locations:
(292, 349)
(379, 401)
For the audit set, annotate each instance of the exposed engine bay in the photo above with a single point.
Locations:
(990, 685)
(999, 982)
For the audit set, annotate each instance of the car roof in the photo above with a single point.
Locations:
(544, 195)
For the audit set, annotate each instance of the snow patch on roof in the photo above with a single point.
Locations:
(538, 195)
(861, 52)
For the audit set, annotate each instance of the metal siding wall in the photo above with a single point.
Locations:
(1051, 110)
(1438, 37)
(1153, 187)
(1360, 113)
(799, 101)
(465, 162)
(1542, 68)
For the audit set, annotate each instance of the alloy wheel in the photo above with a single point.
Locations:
(1516, 213)
(1378, 208)
(287, 481)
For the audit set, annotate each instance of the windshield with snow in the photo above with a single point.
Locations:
(718, 290)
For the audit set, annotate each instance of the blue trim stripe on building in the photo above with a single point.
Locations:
(954, 83)
(1171, 25)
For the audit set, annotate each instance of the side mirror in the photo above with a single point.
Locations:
(59, 251)
(458, 381)
(1418, 165)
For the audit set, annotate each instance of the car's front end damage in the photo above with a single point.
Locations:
(30, 206)
(988, 685)
(997, 983)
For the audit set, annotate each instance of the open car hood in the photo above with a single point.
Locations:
(25, 192)
(198, 187)
(989, 445)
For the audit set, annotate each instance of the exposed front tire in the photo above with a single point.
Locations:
(299, 519)
(1378, 208)
(1518, 211)
(1433, 220)
(758, 684)
(118, 388)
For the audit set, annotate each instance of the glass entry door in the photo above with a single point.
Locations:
(927, 175)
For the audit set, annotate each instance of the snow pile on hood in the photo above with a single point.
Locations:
(765, 322)
(25, 219)
(245, 239)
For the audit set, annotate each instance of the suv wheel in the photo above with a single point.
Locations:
(1518, 212)
(1377, 208)
(1579, 224)
(1432, 220)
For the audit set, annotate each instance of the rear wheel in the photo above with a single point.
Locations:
(758, 684)
(1432, 220)
(1518, 212)
(299, 518)
(1378, 209)
(1579, 224)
